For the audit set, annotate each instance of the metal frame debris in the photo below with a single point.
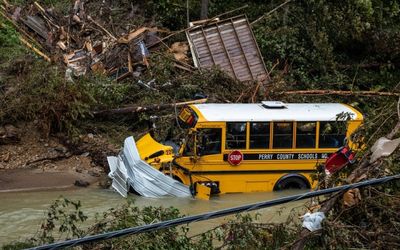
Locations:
(229, 44)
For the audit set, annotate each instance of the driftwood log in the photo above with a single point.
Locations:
(139, 109)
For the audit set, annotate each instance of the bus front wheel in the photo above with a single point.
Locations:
(291, 182)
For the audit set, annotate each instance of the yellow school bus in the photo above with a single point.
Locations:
(253, 147)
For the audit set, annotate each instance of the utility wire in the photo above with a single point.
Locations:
(215, 214)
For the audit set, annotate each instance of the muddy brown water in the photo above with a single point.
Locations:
(22, 212)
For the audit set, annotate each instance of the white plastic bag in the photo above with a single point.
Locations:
(383, 147)
(312, 221)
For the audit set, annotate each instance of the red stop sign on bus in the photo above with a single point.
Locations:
(235, 157)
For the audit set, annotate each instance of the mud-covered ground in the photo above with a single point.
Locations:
(35, 163)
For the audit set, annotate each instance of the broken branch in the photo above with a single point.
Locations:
(166, 37)
(45, 15)
(182, 67)
(270, 12)
(102, 28)
(35, 49)
(132, 35)
(230, 11)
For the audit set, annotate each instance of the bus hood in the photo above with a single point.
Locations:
(153, 152)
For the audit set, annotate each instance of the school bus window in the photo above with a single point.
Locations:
(209, 141)
(235, 135)
(283, 135)
(259, 135)
(306, 134)
(332, 134)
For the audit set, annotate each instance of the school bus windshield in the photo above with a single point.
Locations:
(206, 141)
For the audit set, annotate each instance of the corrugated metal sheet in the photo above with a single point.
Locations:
(229, 44)
(128, 169)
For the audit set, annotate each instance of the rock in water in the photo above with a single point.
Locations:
(81, 183)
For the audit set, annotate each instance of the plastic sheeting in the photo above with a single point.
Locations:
(129, 170)
(312, 221)
(383, 147)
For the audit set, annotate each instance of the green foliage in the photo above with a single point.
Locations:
(10, 47)
(108, 93)
(314, 40)
(8, 35)
(181, 85)
(64, 218)
(18, 245)
(46, 96)
(174, 12)
(130, 216)
(62, 6)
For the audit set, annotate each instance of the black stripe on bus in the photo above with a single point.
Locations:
(282, 156)
(255, 171)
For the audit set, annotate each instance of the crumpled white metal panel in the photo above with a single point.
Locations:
(119, 175)
(129, 170)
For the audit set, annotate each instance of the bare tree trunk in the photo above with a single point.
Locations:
(204, 9)
(147, 108)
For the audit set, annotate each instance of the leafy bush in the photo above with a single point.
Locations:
(44, 95)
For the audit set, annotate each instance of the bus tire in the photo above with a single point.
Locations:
(292, 181)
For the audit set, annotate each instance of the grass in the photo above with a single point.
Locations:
(11, 47)
(62, 6)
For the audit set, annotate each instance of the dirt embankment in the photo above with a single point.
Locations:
(35, 163)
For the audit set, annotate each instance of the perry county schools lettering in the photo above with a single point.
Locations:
(288, 156)
(284, 156)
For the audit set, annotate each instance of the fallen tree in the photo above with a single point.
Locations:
(139, 109)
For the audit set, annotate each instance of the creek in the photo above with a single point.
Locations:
(21, 213)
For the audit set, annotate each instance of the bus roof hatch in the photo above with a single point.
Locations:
(273, 104)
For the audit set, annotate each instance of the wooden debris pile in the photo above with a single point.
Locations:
(88, 39)
(80, 41)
